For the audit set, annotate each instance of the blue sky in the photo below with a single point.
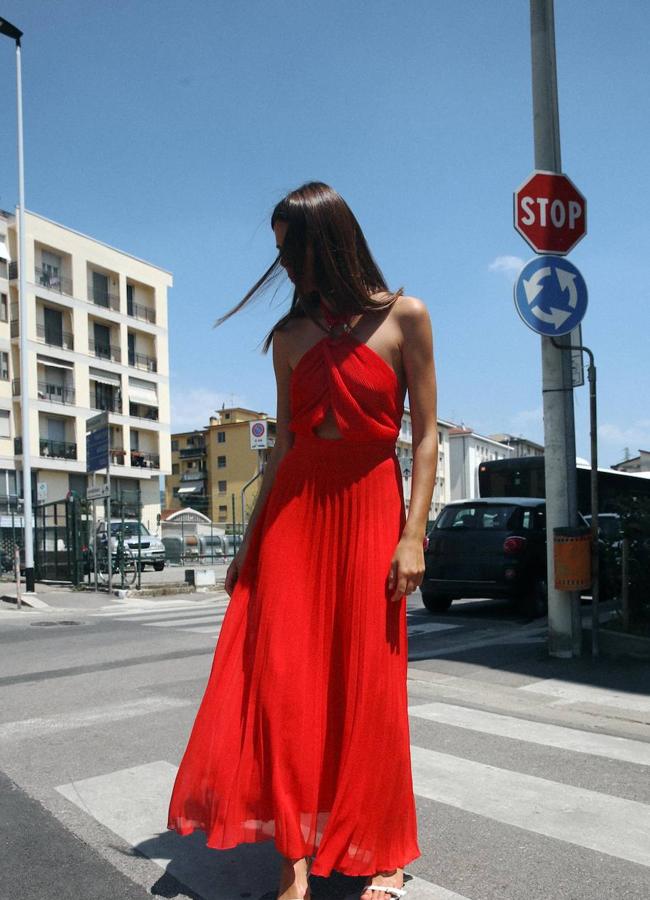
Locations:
(170, 130)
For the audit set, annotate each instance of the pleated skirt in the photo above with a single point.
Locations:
(302, 734)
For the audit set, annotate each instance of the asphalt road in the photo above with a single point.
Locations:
(531, 774)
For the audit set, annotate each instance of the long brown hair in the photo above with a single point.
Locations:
(344, 268)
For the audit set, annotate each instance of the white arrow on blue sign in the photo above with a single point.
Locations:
(551, 295)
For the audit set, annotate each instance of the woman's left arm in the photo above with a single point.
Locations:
(407, 565)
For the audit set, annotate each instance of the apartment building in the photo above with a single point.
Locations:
(210, 466)
(521, 446)
(97, 341)
(404, 450)
(467, 451)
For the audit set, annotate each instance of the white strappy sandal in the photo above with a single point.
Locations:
(396, 892)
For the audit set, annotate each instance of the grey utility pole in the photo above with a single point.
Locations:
(16, 34)
(564, 622)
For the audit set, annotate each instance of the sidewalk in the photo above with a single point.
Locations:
(62, 598)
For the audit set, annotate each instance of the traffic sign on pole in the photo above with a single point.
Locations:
(551, 295)
(550, 213)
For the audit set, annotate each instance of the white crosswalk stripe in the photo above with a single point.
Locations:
(199, 617)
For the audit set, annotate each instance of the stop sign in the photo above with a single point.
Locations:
(550, 213)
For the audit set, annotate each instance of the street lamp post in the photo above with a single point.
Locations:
(15, 34)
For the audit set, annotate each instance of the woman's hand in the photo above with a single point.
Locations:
(406, 568)
(232, 573)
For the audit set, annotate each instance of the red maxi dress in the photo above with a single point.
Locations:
(302, 735)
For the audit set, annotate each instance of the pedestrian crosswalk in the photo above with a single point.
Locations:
(488, 783)
(205, 617)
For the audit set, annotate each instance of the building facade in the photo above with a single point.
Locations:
(520, 446)
(404, 450)
(467, 451)
(97, 341)
(211, 466)
(640, 463)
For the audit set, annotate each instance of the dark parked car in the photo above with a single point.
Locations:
(493, 548)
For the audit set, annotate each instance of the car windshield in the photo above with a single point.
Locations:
(477, 518)
(129, 529)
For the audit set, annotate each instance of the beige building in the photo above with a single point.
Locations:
(211, 466)
(97, 340)
(640, 463)
(520, 446)
(467, 451)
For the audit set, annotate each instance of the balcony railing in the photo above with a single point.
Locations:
(55, 393)
(53, 338)
(140, 361)
(193, 476)
(107, 299)
(58, 449)
(196, 501)
(106, 405)
(191, 452)
(58, 283)
(105, 351)
(138, 311)
(140, 411)
(142, 459)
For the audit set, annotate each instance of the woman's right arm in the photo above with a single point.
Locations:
(283, 442)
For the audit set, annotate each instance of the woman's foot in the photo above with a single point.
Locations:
(390, 879)
(294, 879)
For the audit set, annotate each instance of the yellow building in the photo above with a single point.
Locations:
(211, 466)
(97, 341)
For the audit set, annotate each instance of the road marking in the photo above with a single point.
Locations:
(589, 819)
(114, 712)
(149, 611)
(133, 803)
(570, 692)
(608, 746)
(195, 620)
(428, 628)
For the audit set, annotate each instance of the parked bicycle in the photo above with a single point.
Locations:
(123, 562)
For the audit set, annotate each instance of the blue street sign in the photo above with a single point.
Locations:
(551, 295)
(97, 450)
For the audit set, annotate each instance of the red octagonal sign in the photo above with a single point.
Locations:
(550, 213)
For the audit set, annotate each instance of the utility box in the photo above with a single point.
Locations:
(572, 558)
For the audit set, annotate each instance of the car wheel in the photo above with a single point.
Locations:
(437, 603)
(535, 600)
(159, 566)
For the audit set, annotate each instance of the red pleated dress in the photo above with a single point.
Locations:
(302, 735)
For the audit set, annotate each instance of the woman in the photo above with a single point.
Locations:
(302, 734)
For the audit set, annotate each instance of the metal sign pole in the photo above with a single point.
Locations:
(564, 625)
(109, 530)
(94, 503)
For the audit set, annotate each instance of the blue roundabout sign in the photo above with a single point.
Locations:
(551, 295)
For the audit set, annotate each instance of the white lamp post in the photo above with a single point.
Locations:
(15, 34)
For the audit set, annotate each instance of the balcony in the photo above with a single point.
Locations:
(100, 297)
(144, 460)
(192, 452)
(55, 393)
(58, 283)
(118, 456)
(105, 404)
(140, 361)
(105, 351)
(54, 338)
(193, 476)
(141, 411)
(138, 311)
(57, 449)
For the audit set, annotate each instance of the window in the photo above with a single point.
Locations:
(221, 435)
(129, 299)
(4, 311)
(4, 423)
(174, 446)
(4, 366)
(221, 461)
(135, 439)
(223, 487)
(477, 518)
(175, 469)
